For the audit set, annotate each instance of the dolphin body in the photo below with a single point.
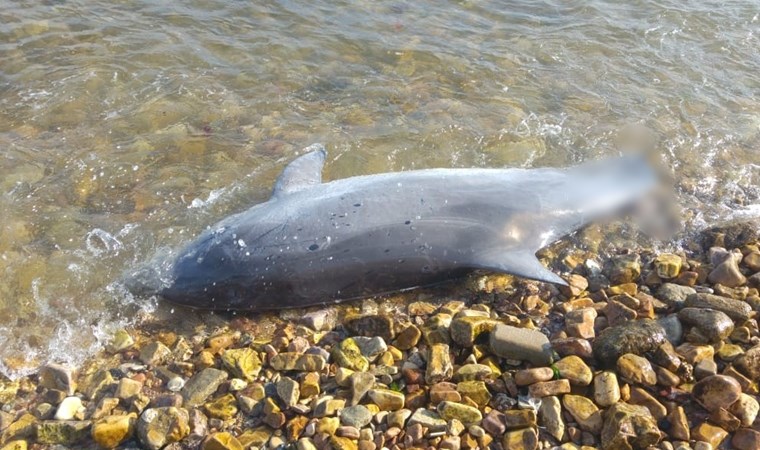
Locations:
(315, 243)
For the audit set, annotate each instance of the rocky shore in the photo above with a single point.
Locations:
(643, 350)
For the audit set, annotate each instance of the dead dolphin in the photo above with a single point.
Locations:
(316, 243)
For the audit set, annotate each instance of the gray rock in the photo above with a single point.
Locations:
(674, 295)
(635, 336)
(713, 325)
(202, 385)
(289, 391)
(520, 343)
(735, 309)
(428, 419)
(358, 416)
(154, 353)
(726, 268)
(371, 347)
(754, 280)
(322, 320)
(57, 376)
(673, 328)
(361, 383)
(305, 362)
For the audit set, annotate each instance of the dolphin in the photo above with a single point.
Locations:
(316, 242)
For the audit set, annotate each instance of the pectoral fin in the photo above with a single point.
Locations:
(522, 263)
(305, 171)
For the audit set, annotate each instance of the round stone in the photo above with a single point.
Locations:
(716, 391)
(356, 416)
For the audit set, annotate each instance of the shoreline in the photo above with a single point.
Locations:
(658, 342)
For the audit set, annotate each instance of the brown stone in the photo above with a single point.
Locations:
(643, 398)
(579, 323)
(709, 433)
(716, 391)
(629, 426)
(618, 313)
(527, 377)
(746, 439)
(679, 424)
(637, 369)
(547, 388)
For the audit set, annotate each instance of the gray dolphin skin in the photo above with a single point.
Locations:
(316, 243)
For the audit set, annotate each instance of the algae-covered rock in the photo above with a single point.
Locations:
(225, 407)
(439, 367)
(64, 432)
(468, 415)
(348, 354)
(465, 330)
(242, 363)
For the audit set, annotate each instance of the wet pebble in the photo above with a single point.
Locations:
(713, 326)
(636, 337)
(716, 391)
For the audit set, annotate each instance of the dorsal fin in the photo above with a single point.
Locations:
(516, 262)
(303, 172)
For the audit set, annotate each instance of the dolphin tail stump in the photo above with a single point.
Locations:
(317, 242)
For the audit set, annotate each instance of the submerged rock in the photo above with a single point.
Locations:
(202, 385)
(636, 337)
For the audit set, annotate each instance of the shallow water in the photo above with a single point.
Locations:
(126, 127)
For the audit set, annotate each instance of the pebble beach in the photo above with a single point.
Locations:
(643, 350)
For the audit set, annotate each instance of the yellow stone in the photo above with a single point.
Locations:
(342, 443)
(584, 411)
(15, 445)
(667, 266)
(256, 437)
(111, 431)
(709, 433)
(625, 288)
(328, 425)
(525, 439)
(224, 407)
(310, 385)
(386, 359)
(222, 441)
(476, 391)
(242, 363)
